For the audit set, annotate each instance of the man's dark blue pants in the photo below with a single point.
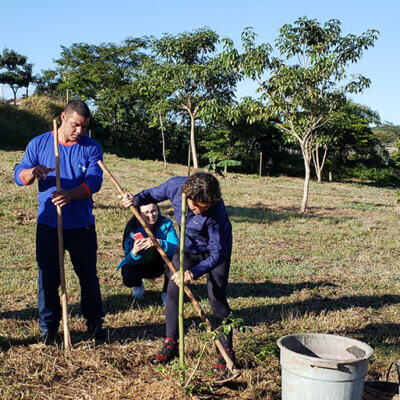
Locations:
(82, 247)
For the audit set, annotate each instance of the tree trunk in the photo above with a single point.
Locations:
(307, 166)
(318, 165)
(192, 143)
(15, 95)
(163, 141)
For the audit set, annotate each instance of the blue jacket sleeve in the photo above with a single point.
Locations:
(218, 250)
(130, 258)
(94, 174)
(29, 160)
(154, 195)
(170, 243)
(171, 189)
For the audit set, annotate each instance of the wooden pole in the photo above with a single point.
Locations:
(181, 290)
(229, 363)
(260, 169)
(64, 303)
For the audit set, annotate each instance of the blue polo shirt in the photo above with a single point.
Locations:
(78, 167)
(208, 233)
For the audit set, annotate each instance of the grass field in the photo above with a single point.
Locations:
(332, 270)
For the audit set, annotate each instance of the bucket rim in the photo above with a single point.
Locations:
(318, 361)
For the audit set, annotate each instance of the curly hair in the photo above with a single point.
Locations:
(202, 187)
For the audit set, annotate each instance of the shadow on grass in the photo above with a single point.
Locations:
(271, 289)
(253, 316)
(384, 336)
(263, 214)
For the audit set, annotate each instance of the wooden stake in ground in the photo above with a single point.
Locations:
(181, 290)
(229, 363)
(64, 304)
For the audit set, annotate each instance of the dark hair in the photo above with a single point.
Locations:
(202, 187)
(133, 224)
(79, 107)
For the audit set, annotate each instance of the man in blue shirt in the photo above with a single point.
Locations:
(208, 248)
(80, 177)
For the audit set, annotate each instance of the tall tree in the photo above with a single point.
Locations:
(105, 76)
(17, 72)
(201, 86)
(308, 82)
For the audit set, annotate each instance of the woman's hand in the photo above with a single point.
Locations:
(128, 200)
(141, 244)
(187, 277)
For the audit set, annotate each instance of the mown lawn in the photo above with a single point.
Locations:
(332, 270)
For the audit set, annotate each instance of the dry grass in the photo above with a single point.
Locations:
(334, 270)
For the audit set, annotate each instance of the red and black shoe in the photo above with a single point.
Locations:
(167, 352)
(220, 366)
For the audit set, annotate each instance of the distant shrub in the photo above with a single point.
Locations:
(18, 125)
(43, 106)
(379, 175)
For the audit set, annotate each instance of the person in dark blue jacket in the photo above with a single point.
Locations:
(141, 258)
(208, 247)
(80, 177)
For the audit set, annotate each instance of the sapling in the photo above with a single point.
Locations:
(181, 291)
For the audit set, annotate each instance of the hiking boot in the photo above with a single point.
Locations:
(167, 352)
(220, 366)
(164, 299)
(98, 332)
(48, 337)
(137, 292)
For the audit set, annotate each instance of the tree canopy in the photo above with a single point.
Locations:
(199, 86)
(16, 71)
(307, 82)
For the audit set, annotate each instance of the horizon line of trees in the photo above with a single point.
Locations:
(154, 97)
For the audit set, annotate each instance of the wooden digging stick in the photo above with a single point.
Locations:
(64, 304)
(229, 363)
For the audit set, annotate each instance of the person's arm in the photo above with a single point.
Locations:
(29, 168)
(165, 191)
(170, 243)
(218, 253)
(130, 257)
(91, 184)
(155, 194)
(94, 174)
(217, 247)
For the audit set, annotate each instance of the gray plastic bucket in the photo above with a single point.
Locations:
(316, 366)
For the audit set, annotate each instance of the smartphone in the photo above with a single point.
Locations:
(138, 236)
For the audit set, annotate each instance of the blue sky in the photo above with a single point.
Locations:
(38, 28)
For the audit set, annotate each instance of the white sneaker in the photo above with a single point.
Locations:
(137, 292)
(164, 298)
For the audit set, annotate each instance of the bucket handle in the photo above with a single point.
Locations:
(394, 363)
(326, 364)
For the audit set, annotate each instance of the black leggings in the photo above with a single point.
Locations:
(217, 281)
(132, 275)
